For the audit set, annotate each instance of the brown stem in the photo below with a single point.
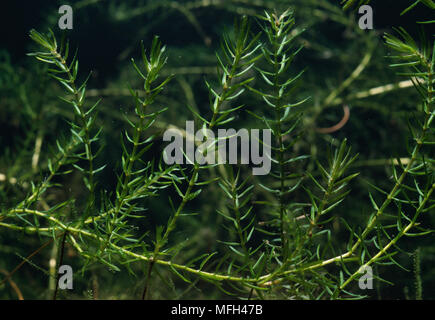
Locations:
(13, 284)
(62, 251)
(339, 125)
(24, 261)
(148, 279)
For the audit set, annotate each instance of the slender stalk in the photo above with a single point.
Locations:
(414, 156)
(9, 275)
(84, 119)
(196, 167)
(281, 151)
(59, 264)
(402, 232)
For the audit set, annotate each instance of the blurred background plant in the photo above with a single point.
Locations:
(343, 65)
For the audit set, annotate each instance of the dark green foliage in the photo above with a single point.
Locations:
(100, 193)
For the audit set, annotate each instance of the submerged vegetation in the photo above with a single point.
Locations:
(82, 169)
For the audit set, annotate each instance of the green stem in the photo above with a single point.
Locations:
(84, 119)
(220, 100)
(395, 239)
